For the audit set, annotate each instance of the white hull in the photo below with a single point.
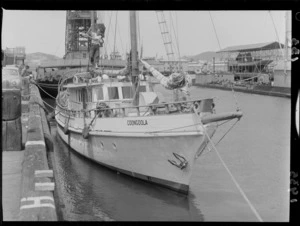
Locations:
(126, 148)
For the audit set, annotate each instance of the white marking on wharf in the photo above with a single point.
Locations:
(37, 202)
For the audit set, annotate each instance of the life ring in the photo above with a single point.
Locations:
(198, 71)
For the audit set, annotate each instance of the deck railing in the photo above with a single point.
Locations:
(203, 105)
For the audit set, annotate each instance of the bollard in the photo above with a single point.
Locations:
(11, 115)
(11, 104)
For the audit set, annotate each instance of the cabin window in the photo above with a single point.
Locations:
(113, 93)
(127, 92)
(142, 88)
(99, 92)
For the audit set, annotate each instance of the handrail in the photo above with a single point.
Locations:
(150, 105)
(179, 105)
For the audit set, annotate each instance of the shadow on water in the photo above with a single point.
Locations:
(93, 192)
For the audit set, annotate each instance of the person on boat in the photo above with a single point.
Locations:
(176, 80)
(96, 43)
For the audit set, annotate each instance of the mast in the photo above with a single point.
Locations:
(134, 57)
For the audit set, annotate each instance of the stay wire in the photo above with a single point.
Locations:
(276, 32)
(236, 102)
(116, 23)
(106, 44)
(232, 177)
(214, 29)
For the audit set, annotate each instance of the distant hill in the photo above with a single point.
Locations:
(35, 59)
(205, 56)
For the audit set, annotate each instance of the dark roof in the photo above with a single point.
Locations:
(253, 47)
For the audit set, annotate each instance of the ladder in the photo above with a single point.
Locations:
(167, 40)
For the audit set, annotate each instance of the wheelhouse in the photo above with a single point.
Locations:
(113, 93)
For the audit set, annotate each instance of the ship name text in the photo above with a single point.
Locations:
(137, 122)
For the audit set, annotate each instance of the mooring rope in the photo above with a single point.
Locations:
(44, 90)
(232, 177)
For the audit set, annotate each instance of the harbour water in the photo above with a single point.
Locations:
(256, 150)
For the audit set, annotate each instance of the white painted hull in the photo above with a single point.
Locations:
(114, 143)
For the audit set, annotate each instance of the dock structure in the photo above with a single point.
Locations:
(28, 182)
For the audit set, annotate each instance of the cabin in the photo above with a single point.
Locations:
(107, 93)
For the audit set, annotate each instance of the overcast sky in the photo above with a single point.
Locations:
(44, 31)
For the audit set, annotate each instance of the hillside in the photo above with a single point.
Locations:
(205, 56)
(34, 59)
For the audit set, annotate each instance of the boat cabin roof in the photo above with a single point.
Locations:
(107, 83)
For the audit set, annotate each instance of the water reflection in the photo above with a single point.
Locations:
(93, 192)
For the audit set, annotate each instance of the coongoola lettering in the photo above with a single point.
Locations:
(137, 122)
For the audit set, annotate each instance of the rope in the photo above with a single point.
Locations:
(106, 44)
(236, 103)
(48, 104)
(276, 32)
(49, 87)
(115, 32)
(224, 122)
(215, 30)
(45, 91)
(136, 90)
(232, 177)
(227, 131)
(277, 37)
(120, 38)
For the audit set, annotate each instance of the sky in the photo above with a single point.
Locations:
(196, 31)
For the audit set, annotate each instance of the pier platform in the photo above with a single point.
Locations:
(27, 181)
(11, 184)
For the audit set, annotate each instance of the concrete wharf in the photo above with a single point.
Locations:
(27, 180)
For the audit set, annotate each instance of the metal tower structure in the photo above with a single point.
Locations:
(77, 23)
